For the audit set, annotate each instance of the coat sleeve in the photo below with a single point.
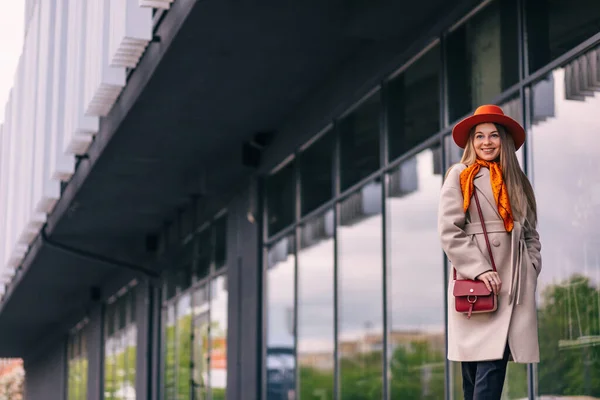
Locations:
(534, 246)
(462, 250)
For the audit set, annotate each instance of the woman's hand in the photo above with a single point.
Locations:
(492, 281)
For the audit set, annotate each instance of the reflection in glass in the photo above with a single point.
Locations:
(280, 357)
(184, 346)
(220, 232)
(204, 255)
(170, 390)
(200, 350)
(556, 26)
(359, 142)
(218, 338)
(484, 59)
(361, 294)
(316, 173)
(70, 370)
(566, 167)
(120, 347)
(77, 366)
(120, 367)
(84, 371)
(280, 198)
(131, 338)
(514, 109)
(417, 349)
(414, 104)
(131, 342)
(109, 353)
(315, 308)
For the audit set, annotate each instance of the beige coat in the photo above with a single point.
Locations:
(518, 260)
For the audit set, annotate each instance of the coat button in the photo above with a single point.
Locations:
(496, 242)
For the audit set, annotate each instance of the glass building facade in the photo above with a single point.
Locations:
(354, 276)
(318, 274)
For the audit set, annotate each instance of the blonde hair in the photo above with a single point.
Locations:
(520, 191)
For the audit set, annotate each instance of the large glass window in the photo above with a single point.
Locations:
(120, 347)
(416, 315)
(281, 346)
(556, 26)
(184, 346)
(413, 108)
(281, 198)
(77, 365)
(360, 280)
(566, 166)
(218, 338)
(195, 320)
(170, 355)
(483, 57)
(196, 342)
(359, 142)
(316, 308)
(316, 173)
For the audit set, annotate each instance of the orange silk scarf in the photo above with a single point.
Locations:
(499, 189)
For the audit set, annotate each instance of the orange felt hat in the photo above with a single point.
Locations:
(488, 113)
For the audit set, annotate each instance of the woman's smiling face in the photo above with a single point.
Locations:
(486, 142)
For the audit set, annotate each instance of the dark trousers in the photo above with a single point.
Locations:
(483, 380)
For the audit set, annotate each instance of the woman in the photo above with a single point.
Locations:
(485, 342)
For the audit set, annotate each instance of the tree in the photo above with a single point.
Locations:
(569, 332)
(417, 372)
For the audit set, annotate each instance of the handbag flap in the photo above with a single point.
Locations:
(467, 287)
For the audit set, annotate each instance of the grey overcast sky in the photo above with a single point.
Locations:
(11, 43)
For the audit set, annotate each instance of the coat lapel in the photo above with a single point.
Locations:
(483, 185)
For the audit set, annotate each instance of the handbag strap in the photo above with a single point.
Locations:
(485, 234)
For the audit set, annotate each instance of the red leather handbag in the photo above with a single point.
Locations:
(472, 296)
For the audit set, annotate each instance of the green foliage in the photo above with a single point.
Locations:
(361, 376)
(184, 348)
(77, 378)
(218, 394)
(417, 372)
(515, 386)
(570, 364)
(315, 384)
(170, 357)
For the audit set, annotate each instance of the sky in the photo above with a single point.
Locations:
(11, 42)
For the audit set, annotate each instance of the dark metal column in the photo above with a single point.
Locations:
(144, 350)
(244, 274)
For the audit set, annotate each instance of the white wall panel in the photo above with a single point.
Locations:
(78, 127)
(25, 131)
(164, 4)
(4, 179)
(43, 196)
(62, 164)
(31, 221)
(130, 32)
(3, 192)
(13, 170)
(103, 82)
